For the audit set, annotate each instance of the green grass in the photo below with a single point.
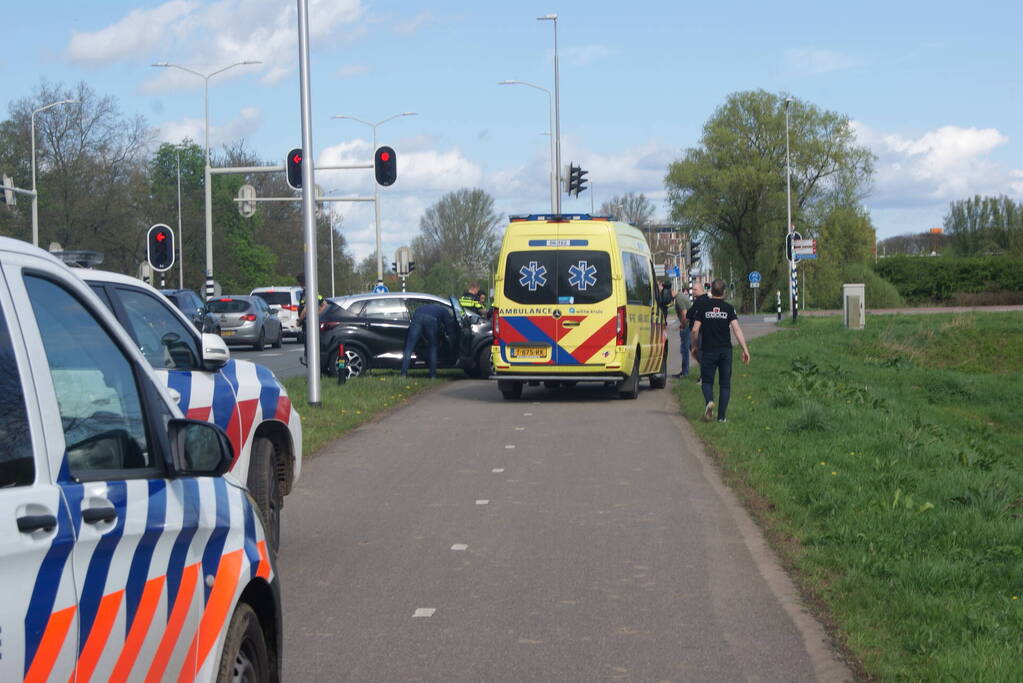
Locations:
(346, 406)
(886, 466)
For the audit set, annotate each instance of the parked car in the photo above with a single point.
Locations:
(247, 320)
(194, 308)
(243, 398)
(122, 541)
(285, 301)
(373, 328)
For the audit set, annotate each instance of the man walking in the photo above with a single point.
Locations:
(714, 322)
(700, 298)
(428, 321)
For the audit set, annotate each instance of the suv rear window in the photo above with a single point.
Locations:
(557, 277)
(275, 298)
(228, 306)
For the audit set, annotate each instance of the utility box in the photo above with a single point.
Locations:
(854, 306)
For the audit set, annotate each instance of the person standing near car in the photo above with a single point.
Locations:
(700, 297)
(429, 320)
(300, 278)
(683, 302)
(714, 322)
(470, 299)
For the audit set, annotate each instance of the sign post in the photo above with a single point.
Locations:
(754, 283)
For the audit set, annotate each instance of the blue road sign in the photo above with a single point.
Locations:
(674, 272)
(381, 288)
(754, 276)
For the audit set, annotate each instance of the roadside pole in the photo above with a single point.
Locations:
(312, 337)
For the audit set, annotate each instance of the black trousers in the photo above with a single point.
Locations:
(719, 360)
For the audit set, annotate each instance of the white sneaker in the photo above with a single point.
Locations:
(708, 412)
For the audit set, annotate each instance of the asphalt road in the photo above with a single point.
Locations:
(283, 362)
(570, 536)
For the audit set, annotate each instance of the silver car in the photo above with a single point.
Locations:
(247, 320)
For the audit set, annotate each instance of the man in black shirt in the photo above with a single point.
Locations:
(713, 323)
(700, 298)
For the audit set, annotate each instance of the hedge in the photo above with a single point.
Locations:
(938, 278)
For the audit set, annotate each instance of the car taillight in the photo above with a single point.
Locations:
(290, 307)
(328, 326)
(495, 319)
(249, 316)
(621, 327)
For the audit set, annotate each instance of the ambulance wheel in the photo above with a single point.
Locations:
(660, 380)
(266, 489)
(246, 656)
(629, 388)
(511, 391)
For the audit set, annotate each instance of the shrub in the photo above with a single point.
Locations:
(880, 292)
(940, 279)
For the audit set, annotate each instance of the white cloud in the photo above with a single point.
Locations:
(349, 70)
(412, 26)
(247, 122)
(917, 177)
(812, 61)
(205, 36)
(584, 54)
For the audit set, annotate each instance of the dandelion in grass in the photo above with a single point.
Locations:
(834, 473)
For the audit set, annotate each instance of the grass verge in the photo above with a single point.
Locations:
(885, 463)
(346, 406)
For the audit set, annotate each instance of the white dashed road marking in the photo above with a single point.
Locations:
(483, 502)
(424, 612)
(509, 446)
(520, 429)
(459, 546)
(497, 470)
(527, 414)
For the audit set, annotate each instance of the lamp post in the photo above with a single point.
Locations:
(35, 194)
(376, 186)
(553, 18)
(788, 212)
(330, 215)
(181, 245)
(554, 167)
(206, 174)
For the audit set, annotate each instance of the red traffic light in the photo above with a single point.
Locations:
(384, 156)
(385, 165)
(161, 236)
(294, 168)
(296, 158)
(160, 247)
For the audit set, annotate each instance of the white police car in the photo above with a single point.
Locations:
(242, 398)
(127, 552)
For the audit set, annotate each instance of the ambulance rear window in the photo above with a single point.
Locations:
(546, 277)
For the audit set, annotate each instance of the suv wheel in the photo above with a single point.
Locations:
(246, 653)
(266, 490)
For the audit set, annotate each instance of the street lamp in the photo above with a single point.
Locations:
(788, 211)
(330, 217)
(35, 194)
(553, 18)
(206, 176)
(181, 240)
(376, 186)
(554, 167)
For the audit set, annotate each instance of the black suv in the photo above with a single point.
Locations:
(189, 303)
(373, 328)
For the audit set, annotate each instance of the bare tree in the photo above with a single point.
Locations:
(460, 228)
(634, 209)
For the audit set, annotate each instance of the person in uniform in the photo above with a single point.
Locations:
(470, 299)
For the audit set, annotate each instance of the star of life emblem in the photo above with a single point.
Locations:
(582, 275)
(534, 275)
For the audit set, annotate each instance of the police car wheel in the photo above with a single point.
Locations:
(266, 490)
(246, 655)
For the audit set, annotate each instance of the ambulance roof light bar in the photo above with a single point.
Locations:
(557, 218)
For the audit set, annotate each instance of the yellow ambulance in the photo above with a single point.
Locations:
(576, 301)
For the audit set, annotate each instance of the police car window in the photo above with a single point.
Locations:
(385, 309)
(100, 406)
(164, 340)
(636, 270)
(17, 467)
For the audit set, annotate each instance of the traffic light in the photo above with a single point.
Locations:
(294, 164)
(394, 266)
(411, 266)
(160, 247)
(694, 252)
(576, 179)
(385, 164)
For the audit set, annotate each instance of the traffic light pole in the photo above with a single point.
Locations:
(312, 336)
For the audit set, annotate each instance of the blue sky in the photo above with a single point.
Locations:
(934, 88)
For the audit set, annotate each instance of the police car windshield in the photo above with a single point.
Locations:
(574, 276)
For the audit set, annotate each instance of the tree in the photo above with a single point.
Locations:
(732, 186)
(631, 208)
(985, 225)
(460, 228)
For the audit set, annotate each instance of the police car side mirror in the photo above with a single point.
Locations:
(199, 449)
(214, 352)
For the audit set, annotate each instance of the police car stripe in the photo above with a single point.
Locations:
(37, 669)
(106, 614)
(99, 564)
(143, 618)
(218, 606)
(179, 553)
(143, 556)
(181, 382)
(251, 549)
(175, 622)
(215, 544)
(230, 371)
(269, 392)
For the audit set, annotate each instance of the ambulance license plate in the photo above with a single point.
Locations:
(529, 352)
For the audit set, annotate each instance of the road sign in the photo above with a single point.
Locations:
(804, 249)
(754, 284)
(754, 278)
(381, 288)
(659, 270)
(674, 271)
(247, 207)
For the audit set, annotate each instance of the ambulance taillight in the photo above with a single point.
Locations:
(496, 325)
(621, 327)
